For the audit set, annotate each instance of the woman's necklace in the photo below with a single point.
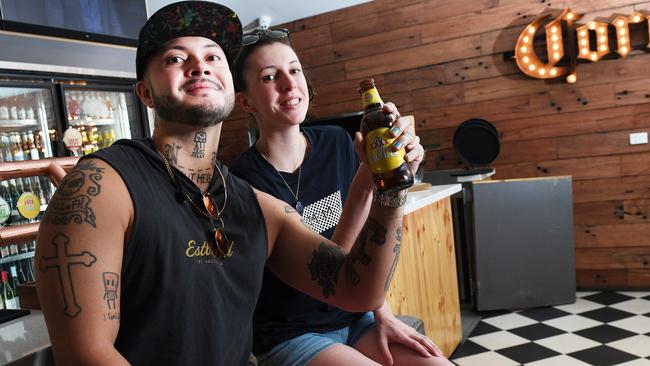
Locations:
(224, 249)
(298, 205)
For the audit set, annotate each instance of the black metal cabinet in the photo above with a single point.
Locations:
(514, 242)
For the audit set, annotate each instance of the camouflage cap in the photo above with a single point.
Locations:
(188, 19)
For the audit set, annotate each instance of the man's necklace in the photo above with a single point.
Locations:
(224, 249)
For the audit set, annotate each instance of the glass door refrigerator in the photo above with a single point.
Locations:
(101, 114)
(35, 112)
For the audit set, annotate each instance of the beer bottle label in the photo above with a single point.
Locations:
(380, 156)
(371, 96)
(29, 206)
(5, 211)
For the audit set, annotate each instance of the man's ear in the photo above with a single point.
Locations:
(242, 102)
(144, 93)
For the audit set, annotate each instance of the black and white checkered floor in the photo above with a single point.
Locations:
(599, 329)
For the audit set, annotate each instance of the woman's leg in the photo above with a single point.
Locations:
(341, 355)
(402, 355)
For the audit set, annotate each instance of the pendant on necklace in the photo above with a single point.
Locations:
(222, 247)
(207, 202)
(299, 207)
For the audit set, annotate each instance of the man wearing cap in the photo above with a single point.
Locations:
(182, 242)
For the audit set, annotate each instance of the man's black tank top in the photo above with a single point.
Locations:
(180, 305)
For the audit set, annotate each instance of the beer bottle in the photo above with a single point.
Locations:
(16, 148)
(33, 151)
(38, 143)
(14, 283)
(100, 140)
(11, 302)
(25, 145)
(5, 143)
(391, 173)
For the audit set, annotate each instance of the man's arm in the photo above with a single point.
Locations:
(79, 261)
(355, 281)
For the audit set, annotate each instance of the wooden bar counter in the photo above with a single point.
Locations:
(425, 282)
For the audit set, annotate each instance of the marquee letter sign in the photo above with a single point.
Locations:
(578, 38)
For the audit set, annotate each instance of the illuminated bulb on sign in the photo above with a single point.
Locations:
(553, 30)
(526, 39)
(636, 19)
(556, 55)
(594, 57)
(531, 30)
(623, 49)
(524, 49)
(554, 38)
(583, 33)
(556, 46)
(553, 72)
(592, 25)
(584, 41)
(571, 78)
(531, 67)
(620, 23)
(622, 31)
(584, 51)
(601, 29)
(602, 39)
(569, 16)
(623, 40)
(603, 48)
(525, 59)
(542, 71)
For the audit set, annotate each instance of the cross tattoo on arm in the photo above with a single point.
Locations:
(63, 261)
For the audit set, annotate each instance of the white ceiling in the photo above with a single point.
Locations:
(280, 11)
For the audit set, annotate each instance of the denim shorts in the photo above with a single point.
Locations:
(301, 350)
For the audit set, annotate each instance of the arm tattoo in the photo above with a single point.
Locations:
(393, 267)
(200, 137)
(171, 153)
(289, 210)
(111, 282)
(325, 267)
(327, 261)
(374, 232)
(71, 202)
(63, 261)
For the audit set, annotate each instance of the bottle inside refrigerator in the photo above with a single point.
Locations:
(27, 132)
(100, 116)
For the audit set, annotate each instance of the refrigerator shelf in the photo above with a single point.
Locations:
(18, 123)
(17, 257)
(92, 122)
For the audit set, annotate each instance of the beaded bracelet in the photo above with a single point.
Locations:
(392, 200)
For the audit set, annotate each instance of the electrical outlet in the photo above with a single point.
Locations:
(638, 138)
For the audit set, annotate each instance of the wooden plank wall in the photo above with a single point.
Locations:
(442, 61)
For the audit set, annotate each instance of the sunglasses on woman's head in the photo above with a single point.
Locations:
(255, 36)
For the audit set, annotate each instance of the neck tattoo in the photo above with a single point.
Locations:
(223, 248)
